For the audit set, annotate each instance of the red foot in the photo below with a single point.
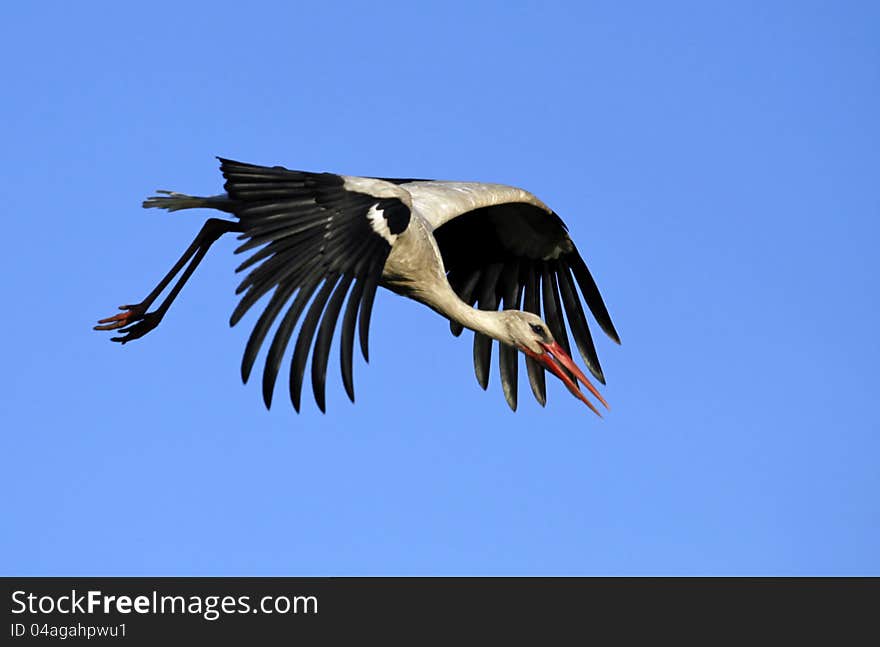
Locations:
(132, 314)
(135, 322)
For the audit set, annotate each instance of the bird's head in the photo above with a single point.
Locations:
(531, 335)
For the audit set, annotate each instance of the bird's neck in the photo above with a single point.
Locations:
(415, 269)
(445, 301)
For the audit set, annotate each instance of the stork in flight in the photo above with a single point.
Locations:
(461, 248)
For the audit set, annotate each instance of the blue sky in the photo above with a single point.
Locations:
(717, 164)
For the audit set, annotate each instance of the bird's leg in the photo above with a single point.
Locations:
(138, 321)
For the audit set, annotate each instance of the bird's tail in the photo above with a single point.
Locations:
(173, 201)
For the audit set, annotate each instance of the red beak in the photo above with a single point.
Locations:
(554, 358)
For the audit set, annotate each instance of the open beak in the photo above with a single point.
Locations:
(554, 358)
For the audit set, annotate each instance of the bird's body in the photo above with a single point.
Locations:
(325, 242)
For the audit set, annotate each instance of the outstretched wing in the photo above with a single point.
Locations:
(319, 237)
(519, 256)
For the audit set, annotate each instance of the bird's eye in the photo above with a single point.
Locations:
(538, 330)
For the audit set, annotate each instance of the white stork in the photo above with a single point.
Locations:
(461, 248)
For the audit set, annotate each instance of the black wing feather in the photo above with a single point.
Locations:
(471, 245)
(325, 336)
(282, 337)
(591, 295)
(307, 228)
(552, 311)
(466, 291)
(532, 303)
(304, 340)
(369, 296)
(574, 312)
(346, 340)
(261, 329)
(507, 360)
(488, 300)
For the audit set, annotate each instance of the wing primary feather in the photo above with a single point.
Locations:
(591, 295)
(282, 231)
(304, 212)
(553, 312)
(277, 208)
(367, 308)
(507, 355)
(325, 336)
(346, 340)
(482, 358)
(578, 322)
(488, 300)
(290, 280)
(282, 336)
(455, 280)
(258, 334)
(303, 248)
(469, 287)
(287, 259)
(532, 303)
(288, 276)
(336, 251)
(287, 223)
(466, 294)
(271, 273)
(280, 250)
(281, 264)
(304, 340)
(267, 251)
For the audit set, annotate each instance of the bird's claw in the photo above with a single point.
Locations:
(135, 322)
(131, 314)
